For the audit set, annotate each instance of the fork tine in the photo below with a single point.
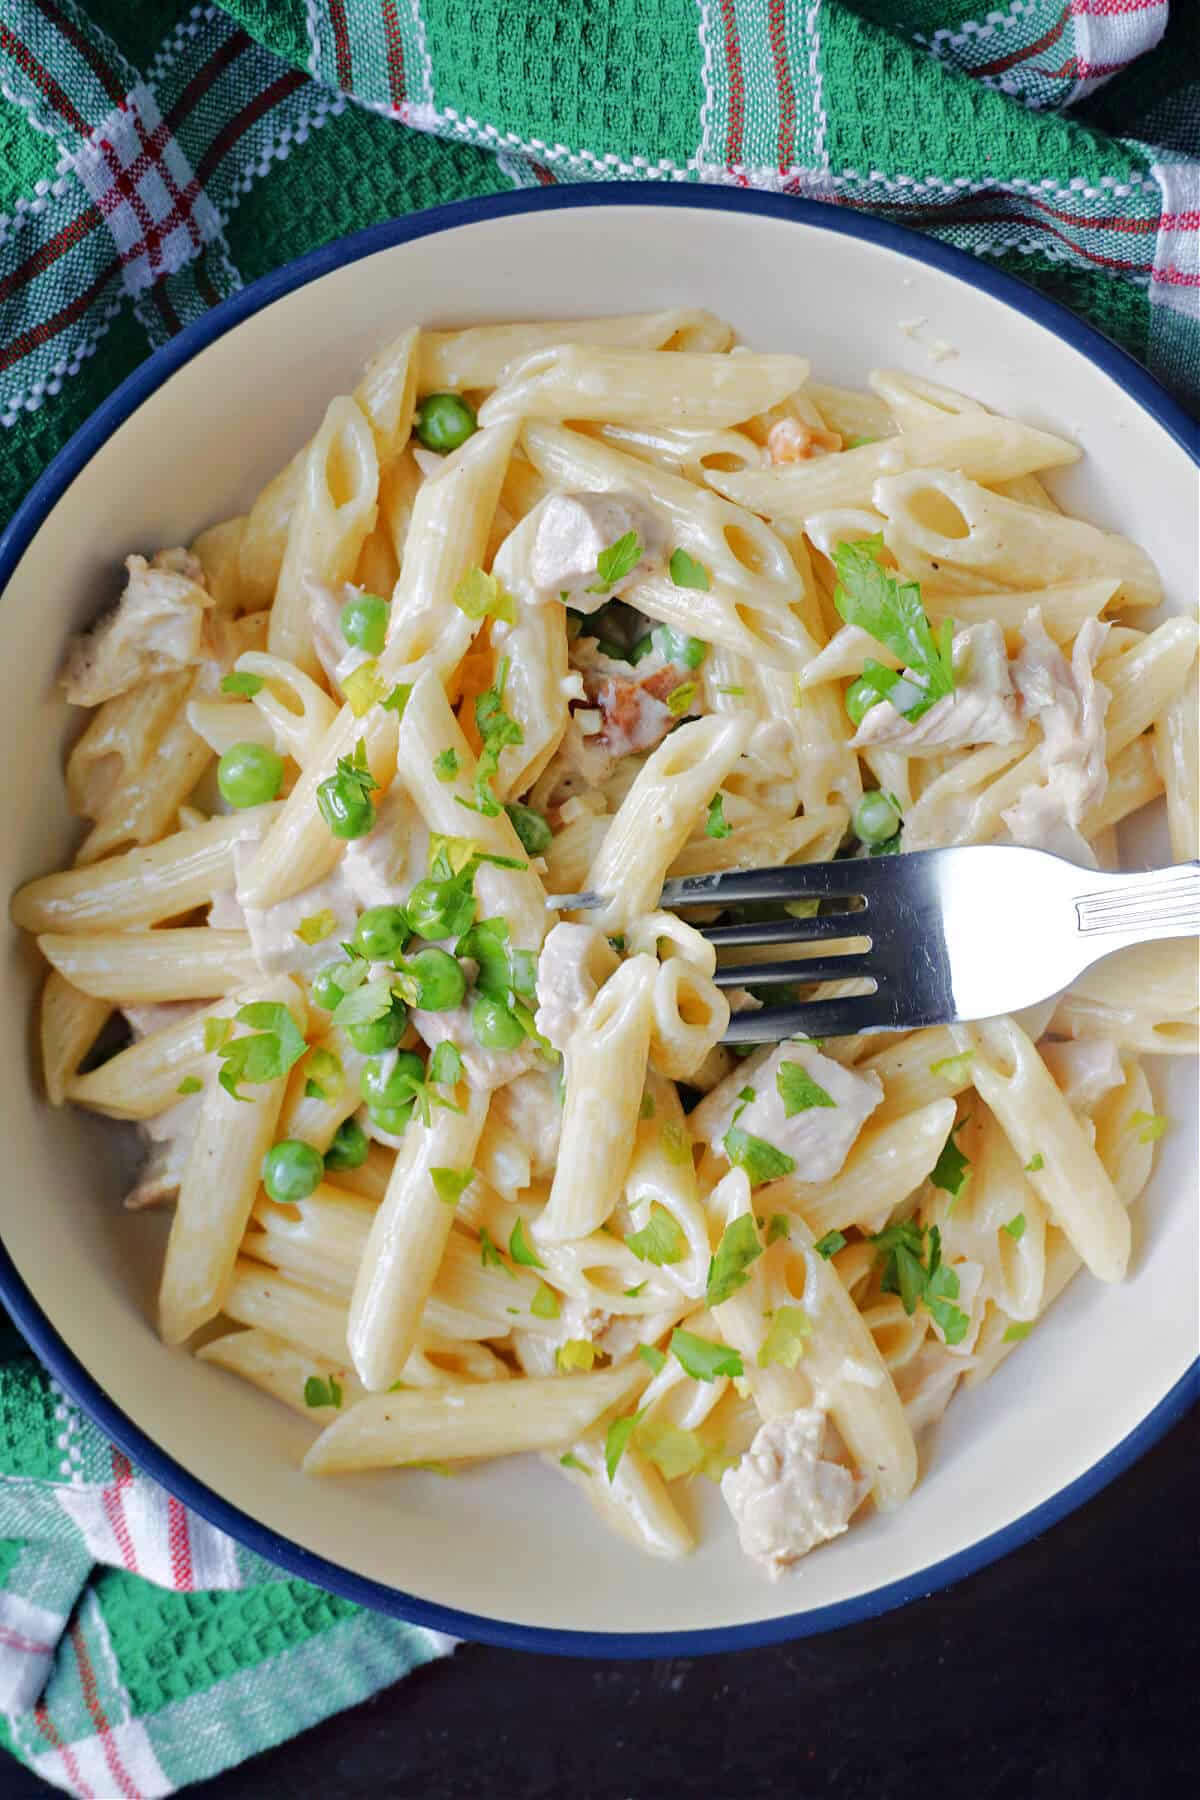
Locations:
(798, 881)
(819, 1018)
(835, 968)
(783, 931)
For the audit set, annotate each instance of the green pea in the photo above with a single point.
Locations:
(348, 812)
(876, 818)
(383, 1084)
(494, 1026)
(249, 774)
(437, 909)
(291, 1169)
(392, 1119)
(349, 1147)
(381, 931)
(530, 827)
(325, 989)
(678, 647)
(438, 983)
(364, 622)
(860, 698)
(444, 421)
(378, 1035)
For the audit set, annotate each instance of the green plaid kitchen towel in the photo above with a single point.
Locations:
(155, 157)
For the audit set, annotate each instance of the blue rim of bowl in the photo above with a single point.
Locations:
(28, 1315)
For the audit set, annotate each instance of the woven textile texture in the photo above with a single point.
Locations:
(155, 158)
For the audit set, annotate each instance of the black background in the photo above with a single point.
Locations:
(1068, 1669)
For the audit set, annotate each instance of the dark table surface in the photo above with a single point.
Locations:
(1067, 1669)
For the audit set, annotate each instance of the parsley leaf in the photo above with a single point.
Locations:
(902, 1250)
(654, 1357)
(716, 825)
(496, 730)
(189, 1085)
(519, 1248)
(363, 688)
(445, 764)
(686, 572)
(780, 1227)
(482, 596)
(1014, 1334)
(616, 1440)
(322, 1393)
(680, 699)
(316, 927)
(798, 1091)
(451, 1184)
(952, 1170)
(1149, 1126)
(784, 1342)
(738, 1248)
(869, 596)
(761, 1161)
(576, 1353)
(397, 700)
(1036, 1164)
(216, 1033)
(830, 1244)
(613, 564)
(276, 1044)
(545, 1304)
(242, 682)
(672, 1449)
(956, 1069)
(646, 1109)
(366, 1003)
(701, 1358)
(445, 1065)
(660, 1240)
(631, 1293)
(1015, 1227)
(489, 1255)
(571, 1461)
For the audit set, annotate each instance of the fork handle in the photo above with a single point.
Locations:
(1138, 908)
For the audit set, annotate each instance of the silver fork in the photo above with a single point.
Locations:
(954, 935)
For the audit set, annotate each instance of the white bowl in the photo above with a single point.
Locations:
(511, 1553)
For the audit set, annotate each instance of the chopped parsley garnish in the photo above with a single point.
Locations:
(856, 443)
(679, 700)
(830, 1244)
(576, 1353)
(323, 1066)
(654, 1357)
(676, 1143)
(397, 700)
(496, 730)
(736, 692)
(529, 825)
(780, 1227)
(701, 1358)
(344, 798)
(631, 1293)
(902, 1251)
(784, 1342)
(1036, 1164)
(216, 1033)
(1015, 1227)
(519, 1248)
(738, 1248)
(363, 688)
(672, 1449)
(365, 1003)
(189, 1085)
(1149, 1126)
(1014, 1334)
(571, 1461)
(316, 927)
(322, 1393)
(952, 1170)
(445, 1065)
(275, 1045)
(956, 1069)
(616, 1441)
(761, 1161)
(446, 765)
(482, 596)
(451, 1184)
(716, 825)
(613, 564)
(646, 1109)
(660, 1240)
(869, 596)
(686, 572)
(240, 681)
(489, 1255)
(798, 1091)
(544, 1304)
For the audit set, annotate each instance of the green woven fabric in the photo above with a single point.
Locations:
(154, 158)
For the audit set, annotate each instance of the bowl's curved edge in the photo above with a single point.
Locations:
(44, 1340)
(28, 1315)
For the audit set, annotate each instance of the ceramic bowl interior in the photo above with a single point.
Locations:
(511, 1551)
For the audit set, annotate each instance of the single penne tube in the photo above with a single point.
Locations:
(1134, 780)
(656, 818)
(387, 394)
(220, 1180)
(69, 1024)
(685, 450)
(936, 516)
(333, 514)
(975, 444)
(1071, 1182)
(502, 1418)
(142, 807)
(120, 738)
(265, 535)
(690, 1014)
(407, 1241)
(266, 1299)
(754, 580)
(296, 711)
(912, 400)
(284, 1371)
(1143, 681)
(640, 387)
(888, 1162)
(143, 1080)
(463, 361)
(534, 693)
(605, 1074)
(1177, 752)
(850, 411)
(219, 552)
(1144, 998)
(144, 886)
(924, 1067)
(191, 963)
(427, 730)
(451, 518)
